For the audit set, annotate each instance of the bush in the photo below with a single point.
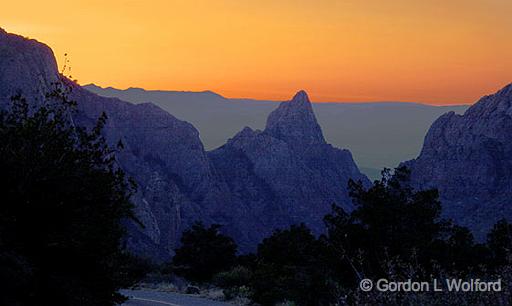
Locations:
(238, 292)
(236, 277)
(63, 203)
(500, 244)
(393, 222)
(291, 268)
(203, 253)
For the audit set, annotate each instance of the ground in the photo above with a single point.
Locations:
(155, 298)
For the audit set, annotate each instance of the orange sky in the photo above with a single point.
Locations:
(434, 51)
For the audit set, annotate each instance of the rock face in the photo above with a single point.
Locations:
(468, 158)
(379, 134)
(257, 182)
(287, 173)
(163, 154)
(295, 123)
(25, 65)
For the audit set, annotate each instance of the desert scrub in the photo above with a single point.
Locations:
(235, 282)
(237, 276)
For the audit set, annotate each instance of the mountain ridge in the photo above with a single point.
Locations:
(467, 157)
(97, 88)
(373, 132)
(284, 164)
(179, 181)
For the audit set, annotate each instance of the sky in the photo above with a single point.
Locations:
(431, 51)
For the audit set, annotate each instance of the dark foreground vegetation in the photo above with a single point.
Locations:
(64, 202)
(62, 207)
(394, 233)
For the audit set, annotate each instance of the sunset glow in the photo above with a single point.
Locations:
(440, 52)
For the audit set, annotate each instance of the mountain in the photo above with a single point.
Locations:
(30, 59)
(468, 158)
(255, 183)
(378, 134)
(289, 162)
(295, 123)
(163, 154)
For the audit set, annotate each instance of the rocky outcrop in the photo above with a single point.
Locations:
(468, 158)
(295, 123)
(257, 182)
(379, 134)
(163, 154)
(25, 66)
(299, 175)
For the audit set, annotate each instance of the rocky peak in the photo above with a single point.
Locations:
(497, 104)
(301, 98)
(295, 122)
(253, 185)
(245, 132)
(243, 137)
(27, 67)
(161, 153)
(467, 157)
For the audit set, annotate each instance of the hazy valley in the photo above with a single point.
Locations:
(379, 134)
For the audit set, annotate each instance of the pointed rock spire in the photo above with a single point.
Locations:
(300, 98)
(295, 122)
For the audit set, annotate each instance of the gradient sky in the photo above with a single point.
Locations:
(433, 51)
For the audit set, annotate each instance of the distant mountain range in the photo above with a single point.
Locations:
(257, 182)
(378, 134)
(282, 171)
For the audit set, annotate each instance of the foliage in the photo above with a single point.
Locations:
(397, 233)
(63, 202)
(499, 241)
(394, 232)
(235, 282)
(290, 268)
(236, 277)
(203, 253)
(393, 222)
(237, 292)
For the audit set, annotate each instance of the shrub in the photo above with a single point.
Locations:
(203, 253)
(63, 203)
(236, 277)
(291, 268)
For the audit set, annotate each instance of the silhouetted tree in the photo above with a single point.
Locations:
(394, 232)
(62, 203)
(291, 267)
(393, 223)
(203, 253)
(390, 220)
(499, 241)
